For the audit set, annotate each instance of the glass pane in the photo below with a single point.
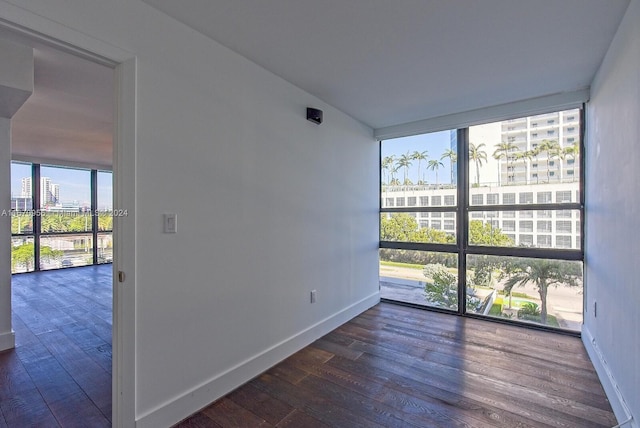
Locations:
(61, 251)
(21, 187)
(21, 222)
(527, 160)
(105, 247)
(539, 291)
(22, 254)
(535, 228)
(419, 277)
(105, 200)
(439, 228)
(419, 170)
(65, 198)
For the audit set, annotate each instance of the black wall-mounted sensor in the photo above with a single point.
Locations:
(314, 115)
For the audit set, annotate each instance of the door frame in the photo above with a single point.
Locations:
(25, 27)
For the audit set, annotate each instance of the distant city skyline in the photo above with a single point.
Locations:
(73, 185)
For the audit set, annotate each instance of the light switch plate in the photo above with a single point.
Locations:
(170, 223)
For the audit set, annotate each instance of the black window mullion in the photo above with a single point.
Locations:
(94, 214)
(463, 216)
(37, 207)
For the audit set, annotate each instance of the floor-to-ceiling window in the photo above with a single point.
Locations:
(61, 217)
(487, 220)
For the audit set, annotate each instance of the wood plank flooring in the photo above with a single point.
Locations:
(395, 366)
(392, 366)
(59, 374)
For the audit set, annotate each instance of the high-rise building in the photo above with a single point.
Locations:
(543, 148)
(49, 192)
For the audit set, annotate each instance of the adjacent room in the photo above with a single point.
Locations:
(352, 214)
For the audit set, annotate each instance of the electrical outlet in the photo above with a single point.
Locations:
(314, 296)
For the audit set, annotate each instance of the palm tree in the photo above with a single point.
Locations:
(453, 158)
(543, 273)
(502, 152)
(572, 151)
(548, 146)
(419, 156)
(434, 165)
(405, 162)
(557, 152)
(387, 164)
(477, 156)
(525, 156)
(394, 180)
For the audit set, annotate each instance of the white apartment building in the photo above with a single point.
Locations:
(538, 165)
(541, 166)
(534, 228)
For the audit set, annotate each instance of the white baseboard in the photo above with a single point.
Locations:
(193, 400)
(608, 381)
(7, 340)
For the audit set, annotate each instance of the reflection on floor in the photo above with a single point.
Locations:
(59, 374)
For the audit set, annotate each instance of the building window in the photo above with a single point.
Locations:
(449, 225)
(492, 199)
(563, 214)
(436, 215)
(436, 201)
(509, 225)
(526, 226)
(526, 197)
(424, 201)
(551, 132)
(477, 199)
(411, 201)
(563, 226)
(508, 198)
(449, 200)
(563, 196)
(543, 226)
(563, 241)
(544, 241)
(544, 197)
(449, 215)
(390, 202)
(400, 202)
(525, 214)
(436, 224)
(526, 240)
(544, 214)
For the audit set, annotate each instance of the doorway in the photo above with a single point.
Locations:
(122, 92)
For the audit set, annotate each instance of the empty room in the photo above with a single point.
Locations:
(356, 213)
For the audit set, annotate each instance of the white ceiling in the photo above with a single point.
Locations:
(68, 118)
(389, 62)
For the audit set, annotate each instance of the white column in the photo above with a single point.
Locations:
(7, 339)
(16, 85)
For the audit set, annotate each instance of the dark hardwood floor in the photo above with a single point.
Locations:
(59, 374)
(395, 366)
(392, 366)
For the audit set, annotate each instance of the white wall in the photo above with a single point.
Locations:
(7, 339)
(612, 334)
(269, 207)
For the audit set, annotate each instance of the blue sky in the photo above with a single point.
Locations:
(435, 144)
(75, 184)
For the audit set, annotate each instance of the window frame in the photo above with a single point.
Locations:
(463, 214)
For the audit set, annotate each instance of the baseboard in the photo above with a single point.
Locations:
(608, 381)
(193, 400)
(7, 341)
